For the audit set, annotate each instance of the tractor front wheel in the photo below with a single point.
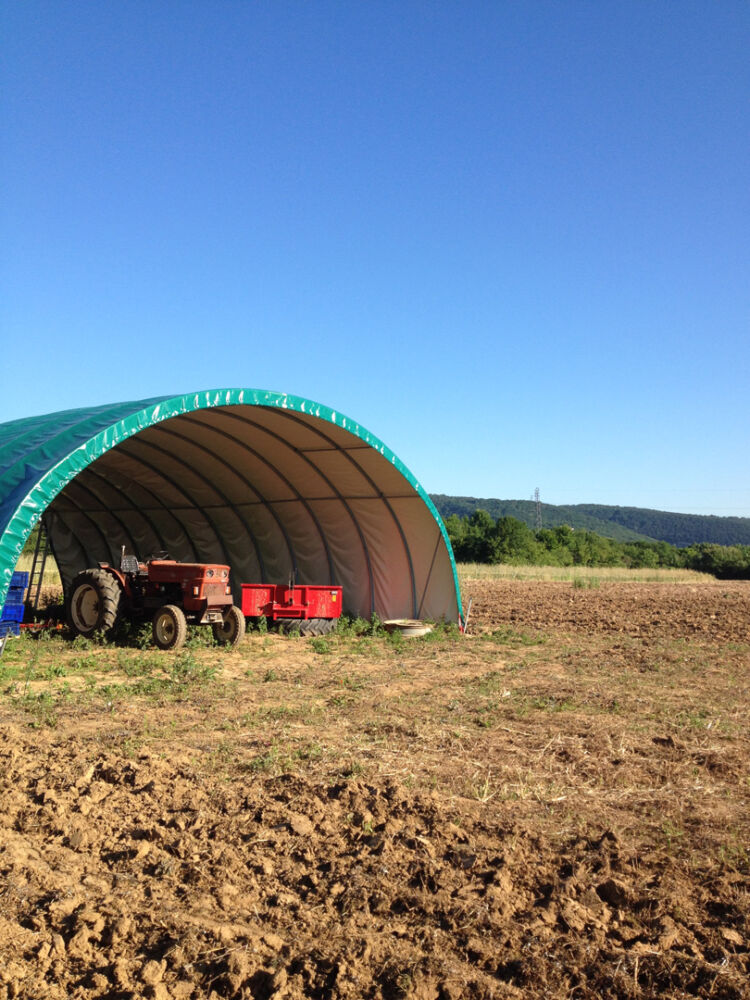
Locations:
(231, 630)
(94, 603)
(170, 627)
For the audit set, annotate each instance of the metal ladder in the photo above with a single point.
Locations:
(42, 551)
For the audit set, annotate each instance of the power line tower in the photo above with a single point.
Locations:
(538, 503)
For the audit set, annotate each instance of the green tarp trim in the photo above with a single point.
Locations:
(40, 455)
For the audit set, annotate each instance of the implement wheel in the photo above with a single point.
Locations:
(317, 626)
(94, 603)
(232, 629)
(170, 627)
(307, 626)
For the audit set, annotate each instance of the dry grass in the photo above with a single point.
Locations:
(587, 574)
(480, 571)
(51, 575)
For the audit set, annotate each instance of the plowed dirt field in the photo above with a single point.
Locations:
(555, 805)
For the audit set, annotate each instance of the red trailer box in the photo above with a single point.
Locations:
(278, 602)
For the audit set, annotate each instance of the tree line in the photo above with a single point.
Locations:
(623, 523)
(480, 538)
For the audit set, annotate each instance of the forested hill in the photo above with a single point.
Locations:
(677, 529)
(621, 523)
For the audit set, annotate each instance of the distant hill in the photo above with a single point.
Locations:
(624, 524)
(677, 529)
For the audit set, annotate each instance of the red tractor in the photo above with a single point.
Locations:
(174, 593)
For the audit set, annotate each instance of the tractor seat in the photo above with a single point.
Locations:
(129, 564)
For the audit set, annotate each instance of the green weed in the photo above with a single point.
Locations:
(358, 627)
(187, 670)
(41, 707)
(488, 683)
(272, 760)
(735, 855)
(673, 834)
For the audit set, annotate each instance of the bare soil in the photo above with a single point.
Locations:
(555, 805)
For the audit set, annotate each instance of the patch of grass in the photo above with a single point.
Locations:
(352, 682)
(673, 834)
(441, 631)
(81, 642)
(507, 635)
(356, 627)
(134, 634)
(341, 700)
(353, 769)
(137, 666)
(187, 669)
(735, 855)
(272, 760)
(489, 683)
(42, 707)
(52, 670)
(696, 718)
(481, 788)
(586, 582)
(524, 704)
(396, 640)
(81, 664)
(311, 751)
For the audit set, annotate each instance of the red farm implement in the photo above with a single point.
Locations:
(309, 609)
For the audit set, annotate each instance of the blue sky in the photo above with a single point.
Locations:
(511, 239)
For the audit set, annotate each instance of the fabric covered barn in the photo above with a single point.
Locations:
(276, 486)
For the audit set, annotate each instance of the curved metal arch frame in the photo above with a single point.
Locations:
(365, 475)
(229, 504)
(338, 495)
(181, 489)
(91, 471)
(79, 485)
(287, 482)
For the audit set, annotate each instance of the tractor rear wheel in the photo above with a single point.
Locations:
(231, 630)
(94, 603)
(170, 627)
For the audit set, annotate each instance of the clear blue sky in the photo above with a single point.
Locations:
(512, 239)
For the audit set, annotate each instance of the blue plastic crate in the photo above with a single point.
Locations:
(20, 579)
(13, 611)
(9, 627)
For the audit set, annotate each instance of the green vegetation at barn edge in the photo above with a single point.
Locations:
(480, 538)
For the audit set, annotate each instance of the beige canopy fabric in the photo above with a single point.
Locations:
(276, 486)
